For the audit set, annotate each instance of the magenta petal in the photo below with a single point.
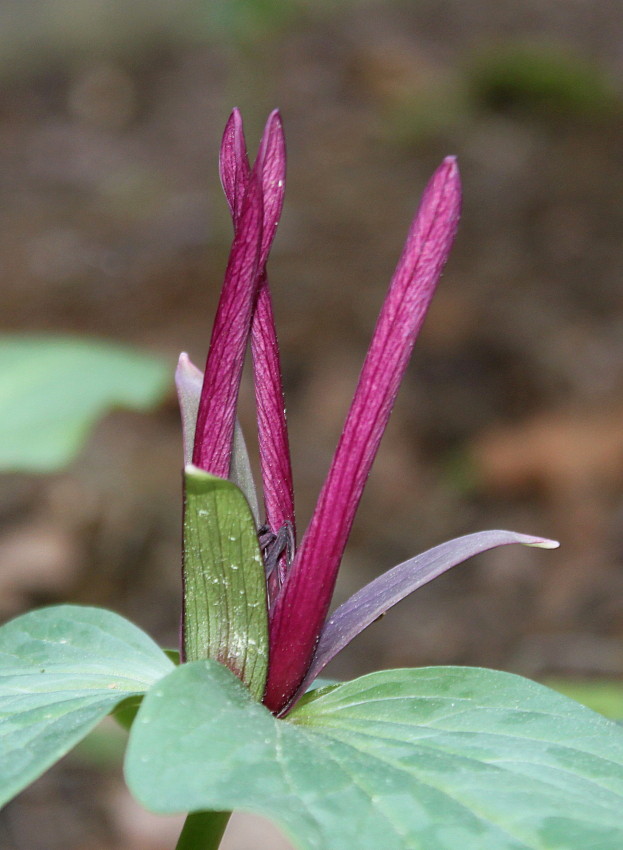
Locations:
(272, 427)
(270, 167)
(233, 163)
(373, 600)
(271, 418)
(217, 407)
(302, 606)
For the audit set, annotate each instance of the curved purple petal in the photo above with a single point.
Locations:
(377, 597)
(270, 169)
(302, 605)
(217, 407)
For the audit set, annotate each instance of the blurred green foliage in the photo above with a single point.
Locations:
(36, 33)
(103, 748)
(547, 79)
(545, 82)
(53, 389)
(605, 697)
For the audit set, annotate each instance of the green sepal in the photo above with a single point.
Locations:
(225, 602)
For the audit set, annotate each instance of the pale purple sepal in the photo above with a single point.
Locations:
(270, 168)
(189, 380)
(217, 407)
(241, 474)
(302, 605)
(373, 600)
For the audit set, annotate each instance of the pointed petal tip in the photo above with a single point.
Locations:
(233, 123)
(449, 172)
(442, 198)
(273, 142)
(274, 123)
(235, 116)
(445, 187)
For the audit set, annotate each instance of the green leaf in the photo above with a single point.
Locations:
(53, 389)
(225, 607)
(430, 759)
(62, 670)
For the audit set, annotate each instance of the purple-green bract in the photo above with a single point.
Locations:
(300, 580)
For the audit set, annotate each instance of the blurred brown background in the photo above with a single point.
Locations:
(114, 225)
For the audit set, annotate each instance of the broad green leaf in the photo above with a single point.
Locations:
(225, 609)
(53, 389)
(429, 759)
(62, 670)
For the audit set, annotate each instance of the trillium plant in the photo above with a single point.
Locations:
(440, 758)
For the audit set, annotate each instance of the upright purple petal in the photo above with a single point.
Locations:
(271, 421)
(221, 382)
(302, 606)
(233, 163)
(270, 169)
(377, 597)
(272, 427)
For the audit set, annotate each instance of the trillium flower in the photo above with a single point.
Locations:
(300, 579)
